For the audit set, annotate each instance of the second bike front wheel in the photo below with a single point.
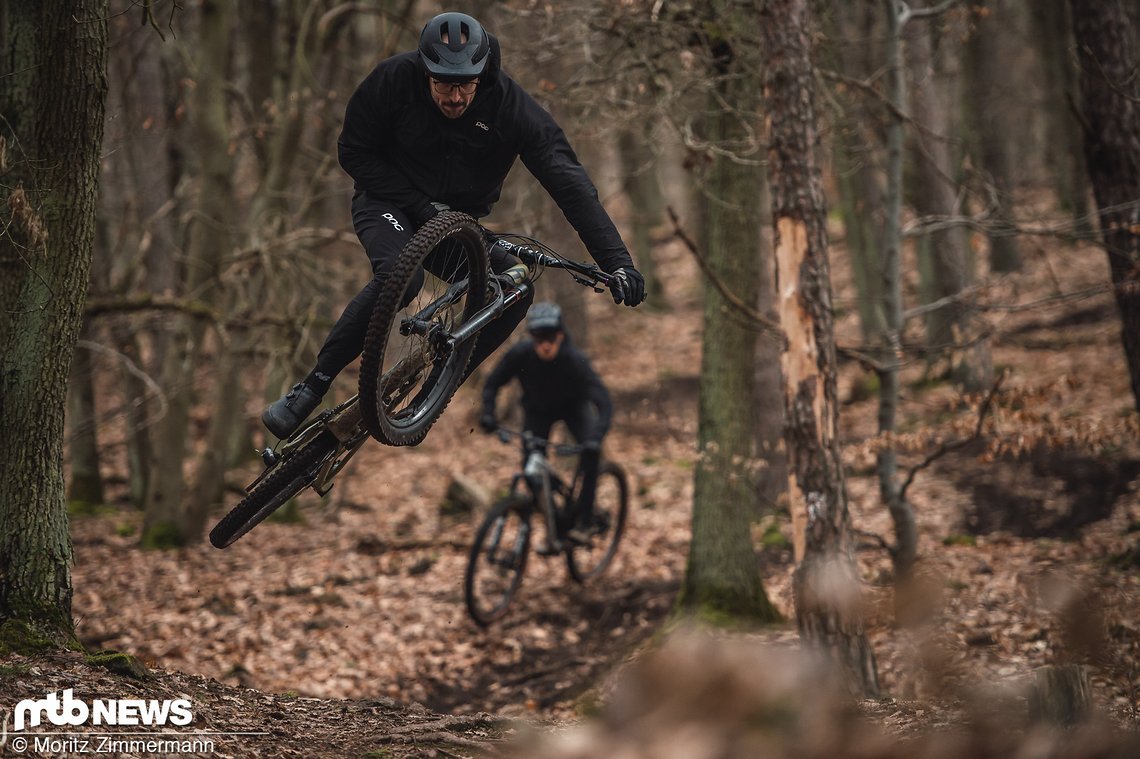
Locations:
(498, 559)
(611, 509)
(409, 370)
(292, 476)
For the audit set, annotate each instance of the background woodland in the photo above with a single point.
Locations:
(894, 260)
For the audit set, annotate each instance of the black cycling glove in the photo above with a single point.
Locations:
(627, 286)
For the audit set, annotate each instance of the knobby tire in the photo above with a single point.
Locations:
(486, 539)
(448, 234)
(588, 562)
(291, 477)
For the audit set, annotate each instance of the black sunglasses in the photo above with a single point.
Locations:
(545, 335)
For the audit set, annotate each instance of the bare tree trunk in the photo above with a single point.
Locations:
(153, 164)
(647, 204)
(934, 193)
(768, 415)
(988, 89)
(168, 521)
(1107, 49)
(85, 485)
(52, 96)
(721, 579)
(906, 534)
(828, 620)
(1064, 157)
(858, 160)
(137, 209)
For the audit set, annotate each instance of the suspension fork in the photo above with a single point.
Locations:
(488, 314)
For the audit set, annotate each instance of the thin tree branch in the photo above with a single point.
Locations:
(134, 370)
(761, 322)
(954, 445)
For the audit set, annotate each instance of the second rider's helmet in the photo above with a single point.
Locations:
(544, 317)
(464, 54)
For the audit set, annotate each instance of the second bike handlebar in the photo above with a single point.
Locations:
(533, 441)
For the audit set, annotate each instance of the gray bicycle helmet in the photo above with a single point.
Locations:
(544, 317)
(465, 53)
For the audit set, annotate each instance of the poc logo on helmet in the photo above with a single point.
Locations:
(395, 223)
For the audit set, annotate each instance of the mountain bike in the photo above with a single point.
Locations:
(499, 553)
(440, 293)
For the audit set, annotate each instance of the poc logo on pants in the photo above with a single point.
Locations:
(395, 223)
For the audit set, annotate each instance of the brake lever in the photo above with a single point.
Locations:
(590, 283)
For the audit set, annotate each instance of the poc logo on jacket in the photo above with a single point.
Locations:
(395, 223)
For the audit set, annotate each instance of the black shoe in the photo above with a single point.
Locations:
(584, 532)
(284, 416)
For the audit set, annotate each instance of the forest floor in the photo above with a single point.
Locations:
(345, 634)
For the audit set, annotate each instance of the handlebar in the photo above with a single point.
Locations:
(588, 275)
(530, 440)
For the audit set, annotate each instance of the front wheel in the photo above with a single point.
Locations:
(292, 476)
(409, 370)
(611, 508)
(498, 559)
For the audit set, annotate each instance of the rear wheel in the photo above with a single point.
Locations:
(611, 508)
(291, 477)
(498, 559)
(408, 370)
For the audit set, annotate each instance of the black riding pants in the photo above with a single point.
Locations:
(583, 425)
(383, 230)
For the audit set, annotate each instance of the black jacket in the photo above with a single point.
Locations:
(398, 146)
(551, 389)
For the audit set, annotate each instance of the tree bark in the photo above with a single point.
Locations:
(169, 520)
(768, 414)
(137, 208)
(52, 96)
(722, 581)
(858, 151)
(1065, 157)
(85, 485)
(1061, 695)
(826, 587)
(646, 202)
(987, 90)
(934, 193)
(1110, 89)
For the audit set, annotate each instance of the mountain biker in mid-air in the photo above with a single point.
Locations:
(558, 384)
(439, 128)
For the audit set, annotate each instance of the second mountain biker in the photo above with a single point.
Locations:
(435, 128)
(558, 384)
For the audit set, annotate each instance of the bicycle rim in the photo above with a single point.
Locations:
(497, 561)
(407, 376)
(290, 478)
(611, 509)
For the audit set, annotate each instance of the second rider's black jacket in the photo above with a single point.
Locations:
(550, 389)
(398, 146)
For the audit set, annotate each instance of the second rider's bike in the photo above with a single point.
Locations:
(439, 295)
